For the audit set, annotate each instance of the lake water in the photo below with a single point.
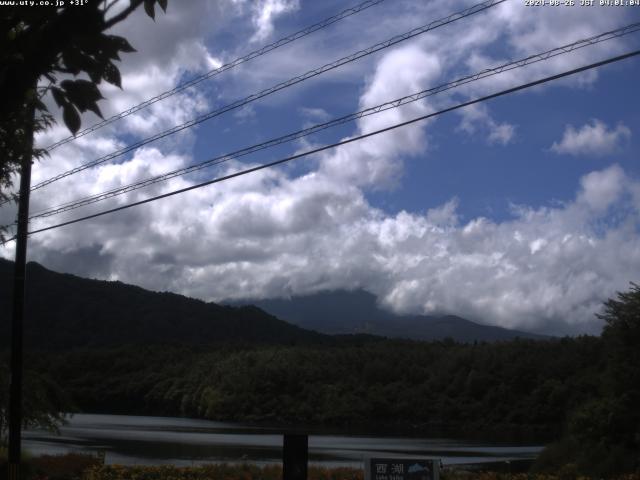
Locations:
(137, 440)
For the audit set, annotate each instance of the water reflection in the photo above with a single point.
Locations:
(131, 440)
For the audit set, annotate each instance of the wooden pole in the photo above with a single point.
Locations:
(17, 320)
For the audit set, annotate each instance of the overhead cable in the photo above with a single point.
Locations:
(305, 76)
(227, 66)
(489, 72)
(343, 142)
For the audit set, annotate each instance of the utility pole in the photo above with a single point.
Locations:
(17, 320)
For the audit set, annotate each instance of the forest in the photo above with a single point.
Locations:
(524, 386)
(572, 391)
(579, 395)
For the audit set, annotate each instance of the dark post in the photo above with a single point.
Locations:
(19, 274)
(295, 454)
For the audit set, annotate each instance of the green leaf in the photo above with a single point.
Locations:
(71, 118)
(95, 109)
(81, 91)
(121, 43)
(58, 96)
(163, 5)
(76, 61)
(95, 74)
(83, 94)
(149, 8)
(112, 75)
(40, 105)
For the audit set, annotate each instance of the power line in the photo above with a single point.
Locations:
(632, 28)
(228, 66)
(312, 73)
(343, 142)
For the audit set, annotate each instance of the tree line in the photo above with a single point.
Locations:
(582, 393)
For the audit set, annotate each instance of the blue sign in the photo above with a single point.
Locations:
(401, 469)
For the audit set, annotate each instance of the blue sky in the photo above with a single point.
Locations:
(486, 178)
(521, 212)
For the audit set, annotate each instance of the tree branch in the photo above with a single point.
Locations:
(122, 15)
(111, 4)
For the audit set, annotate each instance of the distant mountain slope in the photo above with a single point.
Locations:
(342, 312)
(66, 311)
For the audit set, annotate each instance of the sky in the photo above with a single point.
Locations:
(521, 212)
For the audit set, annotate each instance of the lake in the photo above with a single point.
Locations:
(139, 440)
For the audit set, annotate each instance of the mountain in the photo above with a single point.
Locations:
(343, 312)
(65, 311)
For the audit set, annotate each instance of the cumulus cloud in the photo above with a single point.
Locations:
(601, 189)
(376, 161)
(272, 235)
(547, 265)
(277, 233)
(593, 138)
(264, 14)
(315, 114)
(477, 118)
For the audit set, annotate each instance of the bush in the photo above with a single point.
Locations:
(70, 466)
(243, 471)
(64, 467)
(27, 470)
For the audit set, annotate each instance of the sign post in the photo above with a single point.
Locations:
(295, 456)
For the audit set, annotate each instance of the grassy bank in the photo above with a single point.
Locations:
(88, 467)
(253, 472)
(214, 472)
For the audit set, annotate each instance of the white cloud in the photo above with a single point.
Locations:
(272, 233)
(477, 118)
(601, 189)
(245, 114)
(269, 234)
(264, 14)
(502, 133)
(315, 114)
(376, 162)
(593, 138)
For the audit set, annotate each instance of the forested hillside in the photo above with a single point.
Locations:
(521, 386)
(66, 311)
(583, 391)
(170, 355)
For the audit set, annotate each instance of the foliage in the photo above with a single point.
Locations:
(103, 313)
(43, 401)
(183, 357)
(578, 386)
(251, 472)
(453, 474)
(27, 470)
(63, 50)
(70, 466)
(603, 432)
(511, 387)
(244, 471)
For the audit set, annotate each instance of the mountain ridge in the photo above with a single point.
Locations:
(356, 312)
(66, 311)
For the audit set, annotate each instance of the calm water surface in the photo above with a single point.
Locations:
(136, 440)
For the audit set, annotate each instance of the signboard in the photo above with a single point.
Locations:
(401, 469)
